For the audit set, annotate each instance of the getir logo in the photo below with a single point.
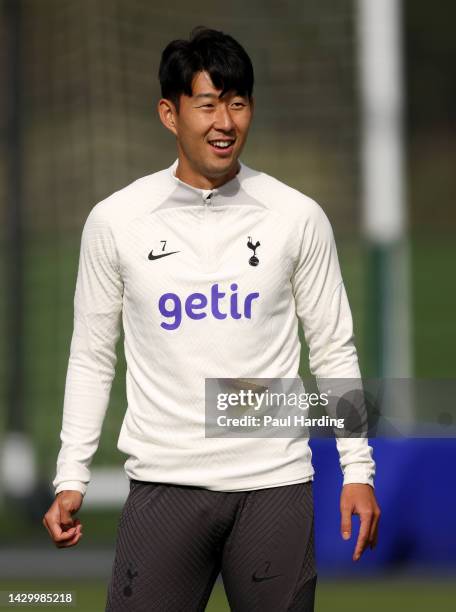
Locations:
(199, 306)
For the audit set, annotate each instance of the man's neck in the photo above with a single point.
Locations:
(185, 174)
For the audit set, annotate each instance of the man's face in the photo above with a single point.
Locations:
(210, 131)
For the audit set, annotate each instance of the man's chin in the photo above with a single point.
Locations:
(221, 167)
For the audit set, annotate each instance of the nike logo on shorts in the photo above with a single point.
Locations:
(265, 576)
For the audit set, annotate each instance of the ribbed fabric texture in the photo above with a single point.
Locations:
(145, 251)
(173, 541)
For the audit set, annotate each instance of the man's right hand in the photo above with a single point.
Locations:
(64, 530)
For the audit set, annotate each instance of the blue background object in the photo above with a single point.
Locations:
(415, 487)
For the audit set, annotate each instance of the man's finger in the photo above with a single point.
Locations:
(65, 517)
(78, 529)
(46, 525)
(346, 522)
(71, 542)
(373, 535)
(56, 532)
(74, 540)
(363, 536)
(63, 535)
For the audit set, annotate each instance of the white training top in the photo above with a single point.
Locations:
(145, 251)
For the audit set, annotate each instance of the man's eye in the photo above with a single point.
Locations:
(207, 106)
(238, 104)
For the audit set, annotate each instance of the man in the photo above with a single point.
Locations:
(211, 264)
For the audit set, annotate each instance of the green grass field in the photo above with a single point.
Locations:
(340, 596)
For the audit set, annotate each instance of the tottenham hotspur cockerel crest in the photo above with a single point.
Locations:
(253, 261)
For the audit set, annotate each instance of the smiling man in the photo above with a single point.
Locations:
(208, 154)
(211, 265)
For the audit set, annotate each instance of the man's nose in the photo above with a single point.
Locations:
(223, 119)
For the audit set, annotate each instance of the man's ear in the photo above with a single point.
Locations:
(252, 104)
(167, 113)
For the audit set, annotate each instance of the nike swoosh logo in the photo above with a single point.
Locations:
(265, 576)
(256, 578)
(152, 256)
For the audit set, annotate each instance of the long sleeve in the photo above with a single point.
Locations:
(91, 366)
(323, 309)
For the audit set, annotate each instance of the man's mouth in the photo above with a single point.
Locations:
(222, 145)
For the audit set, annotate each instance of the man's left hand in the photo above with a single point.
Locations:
(360, 499)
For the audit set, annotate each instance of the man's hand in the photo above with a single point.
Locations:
(62, 527)
(360, 499)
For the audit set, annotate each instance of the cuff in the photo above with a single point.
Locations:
(71, 485)
(359, 473)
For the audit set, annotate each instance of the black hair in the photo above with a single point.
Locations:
(215, 52)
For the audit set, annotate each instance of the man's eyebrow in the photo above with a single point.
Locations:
(205, 95)
(212, 95)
